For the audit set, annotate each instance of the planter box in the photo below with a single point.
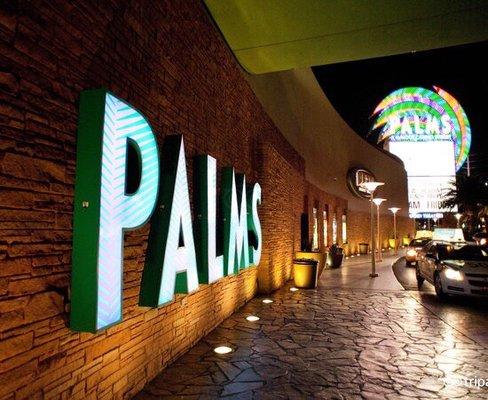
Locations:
(305, 273)
(313, 255)
(363, 248)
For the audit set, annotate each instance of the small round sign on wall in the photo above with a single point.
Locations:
(356, 176)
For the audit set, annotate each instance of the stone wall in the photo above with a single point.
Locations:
(166, 59)
(321, 201)
(358, 228)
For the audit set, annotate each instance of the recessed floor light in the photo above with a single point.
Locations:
(252, 318)
(267, 301)
(222, 350)
(293, 289)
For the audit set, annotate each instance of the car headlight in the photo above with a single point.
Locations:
(453, 274)
(411, 253)
(482, 241)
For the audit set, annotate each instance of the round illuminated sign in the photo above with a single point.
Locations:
(356, 176)
(416, 114)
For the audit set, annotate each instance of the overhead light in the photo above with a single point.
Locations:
(378, 201)
(252, 318)
(267, 301)
(223, 350)
(370, 187)
(293, 289)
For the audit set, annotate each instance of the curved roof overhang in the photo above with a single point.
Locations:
(276, 35)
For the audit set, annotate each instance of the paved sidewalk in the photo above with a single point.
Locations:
(355, 271)
(356, 341)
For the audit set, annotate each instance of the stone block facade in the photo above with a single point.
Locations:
(168, 60)
(358, 229)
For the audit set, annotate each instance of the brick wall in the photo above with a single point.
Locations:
(166, 59)
(358, 228)
(282, 191)
(322, 201)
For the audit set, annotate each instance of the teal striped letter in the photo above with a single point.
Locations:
(103, 210)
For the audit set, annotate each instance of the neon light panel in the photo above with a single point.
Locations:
(418, 114)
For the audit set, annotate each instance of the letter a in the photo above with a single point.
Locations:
(171, 265)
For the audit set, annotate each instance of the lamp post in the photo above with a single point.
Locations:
(370, 187)
(394, 210)
(378, 202)
(458, 217)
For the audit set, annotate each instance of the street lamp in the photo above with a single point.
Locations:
(394, 210)
(378, 202)
(370, 187)
(458, 217)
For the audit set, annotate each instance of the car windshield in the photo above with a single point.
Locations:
(419, 242)
(466, 253)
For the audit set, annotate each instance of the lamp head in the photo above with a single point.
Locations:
(394, 210)
(371, 186)
(378, 201)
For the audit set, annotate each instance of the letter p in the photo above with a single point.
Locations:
(103, 208)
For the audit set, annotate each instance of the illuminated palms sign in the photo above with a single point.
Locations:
(418, 114)
(430, 132)
(180, 254)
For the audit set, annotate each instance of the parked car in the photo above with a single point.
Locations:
(481, 238)
(454, 268)
(413, 248)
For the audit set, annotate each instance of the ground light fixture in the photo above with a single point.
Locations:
(267, 301)
(252, 318)
(223, 350)
(394, 210)
(378, 202)
(370, 187)
(293, 289)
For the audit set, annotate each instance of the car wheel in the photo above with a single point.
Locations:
(438, 287)
(420, 278)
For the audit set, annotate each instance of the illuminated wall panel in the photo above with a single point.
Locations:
(431, 170)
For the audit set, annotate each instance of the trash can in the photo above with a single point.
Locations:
(363, 248)
(305, 273)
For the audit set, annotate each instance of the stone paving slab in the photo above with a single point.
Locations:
(329, 344)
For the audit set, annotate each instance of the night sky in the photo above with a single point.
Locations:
(355, 88)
